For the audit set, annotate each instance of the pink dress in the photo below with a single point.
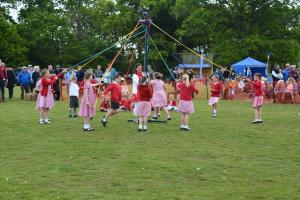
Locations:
(88, 93)
(159, 95)
(44, 101)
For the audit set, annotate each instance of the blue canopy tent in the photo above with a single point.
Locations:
(255, 66)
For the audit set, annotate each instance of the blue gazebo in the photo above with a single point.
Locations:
(255, 66)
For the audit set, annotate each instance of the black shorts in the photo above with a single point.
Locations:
(74, 102)
(114, 105)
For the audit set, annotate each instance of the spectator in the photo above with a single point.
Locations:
(30, 71)
(112, 73)
(150, 72)
(248, 73)
(36, 75)
(11, 81)
(276, 75)
(57, 84)
(286, 71)
(220, 74)
(226, 74)
(3, 79)
(291, 87)
(24, 80)
(99, 72)
(293, 73)
(80, 75)
(232, 73)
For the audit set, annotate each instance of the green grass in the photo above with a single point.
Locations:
(222, 158)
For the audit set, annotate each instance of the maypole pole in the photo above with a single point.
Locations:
(146, 22)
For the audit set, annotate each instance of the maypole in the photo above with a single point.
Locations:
(146, 22)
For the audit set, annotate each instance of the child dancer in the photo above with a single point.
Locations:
(186, 106)
(87, 106)
(216, 88)
(74, 94)
(144, 106)
(45, 100)
(115, 89)
(172, 105)
(159, 96)
(105, 105)
(258, 97)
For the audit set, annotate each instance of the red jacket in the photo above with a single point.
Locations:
(115, 89)
(257, 88)
(3, 74)
(186, 93)
(216, 89)
(46, 82)
(145, 92)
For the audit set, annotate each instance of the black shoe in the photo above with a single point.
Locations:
(104, 123)
(145, 130)
(91, 118)
(139, 130)
(260, 121)
(91, 129)
(75, 116)
(255, 122)
(169, 118)
(86, 130)
(158, 115)
(186, 129)
(70, 116)
(154, 117)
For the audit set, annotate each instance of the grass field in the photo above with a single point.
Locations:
(222, 158)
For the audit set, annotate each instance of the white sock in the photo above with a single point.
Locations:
(88, 125)
(140, 126)
(145, 127)
(85, 126)
(215, 111)
(46, 120)
(104, 119)
(186, 126)
(182, 126)
(41, 120)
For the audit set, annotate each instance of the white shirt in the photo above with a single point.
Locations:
(74, 89)
(135, 83)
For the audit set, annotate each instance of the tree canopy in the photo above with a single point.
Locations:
(68, 31)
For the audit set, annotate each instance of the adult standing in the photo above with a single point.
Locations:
(24, 80)
(286, 71)
(30, 71)
(220, 74)
(57, 84)
(293, 73)
(138, 74)
(276, 75)
(99, 72)
(80, 76)
(11, 81)
(3, 79)
(36, 75)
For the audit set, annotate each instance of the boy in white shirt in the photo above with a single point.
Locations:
(73, 94)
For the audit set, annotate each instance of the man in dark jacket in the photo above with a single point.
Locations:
(11, 81)
(24, 80)
(36, 75)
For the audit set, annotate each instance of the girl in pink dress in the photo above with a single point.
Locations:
(144, 107)
(216, 89)
(45, 100)
(87, 108)
(186, 105)
(159, 99)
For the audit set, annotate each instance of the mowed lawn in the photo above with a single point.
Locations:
(222, 158)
